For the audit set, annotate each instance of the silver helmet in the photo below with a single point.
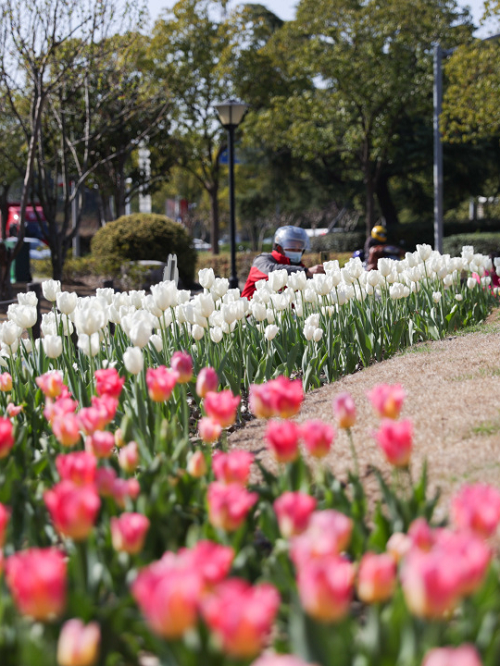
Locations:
(292, 238)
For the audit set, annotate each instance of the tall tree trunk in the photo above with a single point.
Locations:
(385, 201)
(56, 258)
(370, 199)
(214, 201)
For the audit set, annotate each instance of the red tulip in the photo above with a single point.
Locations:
(109, 382)
(73, 509)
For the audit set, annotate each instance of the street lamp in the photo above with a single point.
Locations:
(231, 113)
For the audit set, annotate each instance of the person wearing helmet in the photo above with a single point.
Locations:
(289, 245)
(376, 248)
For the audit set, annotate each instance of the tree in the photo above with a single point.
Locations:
(187, 52)
(367, 67)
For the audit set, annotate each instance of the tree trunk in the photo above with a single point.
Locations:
(385, 201)
(56, 258)
(370, 200)
(214, 232)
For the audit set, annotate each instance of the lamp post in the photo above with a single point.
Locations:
(231, 113)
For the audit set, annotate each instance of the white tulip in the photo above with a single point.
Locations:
(216, 318)
(50, 289)
(297, 280)
(467, 252)
(496, 261)
(107, 293)
(137, 297)
(308, 332)
(10, 333)
(24, 316)
(321, 284)
(373, 278)
(229, 313)
(197, 332)
(436, 296)
(219, 288)
(335, 277)
(258, 311)
(448, 280)
(486, 281)
(278, 279)
(471, 283)
(459, 297)
(156, 341)
(27, 344)
(89, 344)
(331, 265)
(280, 302)
(183, 296)
(424, 251)
(52, 346)
(164, 294)
(9, 350)
(310, 296)
(66, 302)
(312, 320)
(28, 298)
(384, 267)
(206, 304)
(206, 277)
(318, 334)
(216, 334)
(270, 316)
(346, 276)
(89, 320)
(150, 305)
(355, 267)
(166, 319)
(133, 360)
(270, 332)
(140, 333)
(406, 291)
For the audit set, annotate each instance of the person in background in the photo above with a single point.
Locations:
(289, 245)
(376, 248)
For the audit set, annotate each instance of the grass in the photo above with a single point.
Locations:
(422, 348)
(487, 428)
(481, 373)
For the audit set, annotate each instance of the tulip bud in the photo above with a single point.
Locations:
(128, 457)
(6, 437)
(206, 381)
(182, 364)
(52, 346)
(51, 288)
(133, 360)
(376, 577)
(209, 430)
(78, 644)
(197, 466)
(128, 532)
(5, 382)
(344, 410)
(66, 302)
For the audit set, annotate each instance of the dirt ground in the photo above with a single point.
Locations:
(452, 396)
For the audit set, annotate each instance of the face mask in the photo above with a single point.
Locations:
(294, 257)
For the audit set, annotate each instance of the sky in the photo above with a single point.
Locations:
(285, 9)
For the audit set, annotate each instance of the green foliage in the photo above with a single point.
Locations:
(339, 242)
(483, 243)
(146, 236)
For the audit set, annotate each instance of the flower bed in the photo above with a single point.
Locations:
(125, 538)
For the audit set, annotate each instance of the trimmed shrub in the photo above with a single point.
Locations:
(482, 243)
(342, 241)
(146, 236)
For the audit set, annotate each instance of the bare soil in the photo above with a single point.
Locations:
(452, 396)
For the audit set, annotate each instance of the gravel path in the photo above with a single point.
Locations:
(453, 398)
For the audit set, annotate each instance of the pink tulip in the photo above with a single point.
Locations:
(209, 430)
(241, 616)
(161, 382)
(281, 397)
(78, 643)
(51, 383)
(105, 478)
(421, 534)
(328, 533)
(344, 411)
(432, 582)
(128, 457)
(14, 410)
(59, 408)
(66, 429)
(326, 588)
(207, 381)
(282, 438)
(37, 581)
(106, 406)
(211, 560)
(470, 552)
(464, 655)
(318, 438)
(395, 438)
(232, 467)
(5, 382)
(124, 489)
(168, 594)
(293, 510)
(477, 508)
(4, 521)
(182, 364)
(221, 407)
(197, 465)
(79, 467)
(376, 577)
(399, 545)
(109, 382)
(73, 509)
(6, 437)
(128, 532)
(387, 400)
(92, 420)
(228, 505)
(100, 444)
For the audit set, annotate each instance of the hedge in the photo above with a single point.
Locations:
(482, 243)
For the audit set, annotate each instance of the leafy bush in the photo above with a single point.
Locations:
(146, 236)
(339, 242)
(483, 243)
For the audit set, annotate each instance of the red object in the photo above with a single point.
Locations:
(31, 216)
(109, 382)
(73, 509)
(255, 274)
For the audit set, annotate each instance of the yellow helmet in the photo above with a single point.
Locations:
(379, 233)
